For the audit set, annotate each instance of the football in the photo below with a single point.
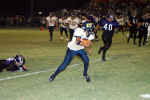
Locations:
(85, 42)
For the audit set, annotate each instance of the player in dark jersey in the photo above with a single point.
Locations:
(89, 26)
(143, 24)
(16, 63)
(108, 26)
(94, 20)
(132, 23)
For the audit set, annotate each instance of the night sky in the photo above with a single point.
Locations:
(14, 6)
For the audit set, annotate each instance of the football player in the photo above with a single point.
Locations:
(76, 48)
(63, 27)
(95, 20)
(143, 29)
(132, 23)
(108, 26)
(73, 22)
(16, 63)
(148, 19)
(51, 24)
(88, 26)
(121, 22)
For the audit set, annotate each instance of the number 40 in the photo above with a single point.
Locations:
(108, 27)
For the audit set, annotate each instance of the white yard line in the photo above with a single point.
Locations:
(35, 73)
(145, 96)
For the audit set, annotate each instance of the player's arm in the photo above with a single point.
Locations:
(46, 23)
(83, 42)
(97, 27)
(139, 23)
(78, 40)
(129, 22)
(86, 43)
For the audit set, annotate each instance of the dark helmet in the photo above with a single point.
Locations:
(110, 16)
(20, 60)
(90, 18)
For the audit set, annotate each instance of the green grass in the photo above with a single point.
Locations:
(125, 76)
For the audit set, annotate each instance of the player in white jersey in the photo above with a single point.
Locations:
(51, 24)
(63, 27)
(73, 22)
(148, 35)
(121, 22)
(76, 48)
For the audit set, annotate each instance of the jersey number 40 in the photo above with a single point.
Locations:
(108, 27)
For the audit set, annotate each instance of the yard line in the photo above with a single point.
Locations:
(36, 73)
(145, 96)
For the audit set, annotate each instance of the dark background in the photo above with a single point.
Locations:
(9, 7)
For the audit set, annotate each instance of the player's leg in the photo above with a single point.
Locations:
(62, 67)
(71, 33)
(85, 59)
(145, 37)
(61, 33)
(96, 36)
(102, 48)
(108, 42)
(66, 33)
(148, 35)
(140, 38)
(134, 37)
(51, 29)
(12, 67)
(130, 35)
(2, 65)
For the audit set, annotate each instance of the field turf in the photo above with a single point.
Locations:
(125, 75)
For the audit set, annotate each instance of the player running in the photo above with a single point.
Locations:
(89, 26)
(132, 23)
(143, 24)
(63, 27)
(73, 22)
(108, 26)
(76, 47)
(51, 24)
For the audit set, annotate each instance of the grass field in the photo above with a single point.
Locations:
(125, 76)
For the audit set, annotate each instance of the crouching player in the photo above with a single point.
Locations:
(16, 63)
(76, 48)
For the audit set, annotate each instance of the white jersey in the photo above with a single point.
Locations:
(149, 28)
(83, 21)
(63, 23)
(51, 20)
(120, 21)
(79, 32)
(148, 35)
(73, 23)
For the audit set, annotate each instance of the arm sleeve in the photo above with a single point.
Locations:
(116, 24)
(101, 22)
(91, 37)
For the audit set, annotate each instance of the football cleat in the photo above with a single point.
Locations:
(87, 78)
(51, 78)
(67, 39)
(100, 50)
(103, 59)
(61, 38)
